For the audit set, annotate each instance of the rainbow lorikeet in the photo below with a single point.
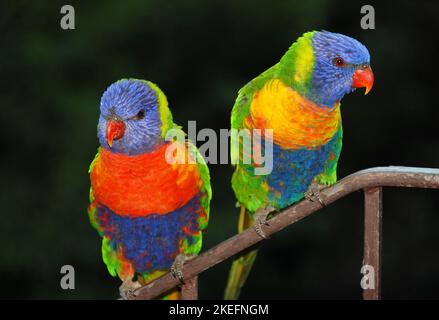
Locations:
(299, 99)
(149, 210)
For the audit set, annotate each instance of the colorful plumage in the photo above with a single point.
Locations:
(147, 209)
(299, 99)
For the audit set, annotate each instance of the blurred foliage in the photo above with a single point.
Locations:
(200, 53)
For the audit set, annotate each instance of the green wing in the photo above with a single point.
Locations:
(205, 185)
(92, 207)
(247, 186)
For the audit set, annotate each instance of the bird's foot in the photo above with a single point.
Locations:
(126, 290)
(260, 220)
(313, 193)
(177, 266)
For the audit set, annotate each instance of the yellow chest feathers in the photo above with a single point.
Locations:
(296, 122)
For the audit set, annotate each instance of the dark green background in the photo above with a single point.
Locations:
(200, 53)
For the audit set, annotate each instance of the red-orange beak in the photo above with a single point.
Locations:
(115, 130)
(363, 78)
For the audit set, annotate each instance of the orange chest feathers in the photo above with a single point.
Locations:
(296, 121)
(143, 184)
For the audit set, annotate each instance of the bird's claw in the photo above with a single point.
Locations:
(177, 266)
(313, 193)
(126, 290)
(260, 220)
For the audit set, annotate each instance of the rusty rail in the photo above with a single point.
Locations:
(370, 180)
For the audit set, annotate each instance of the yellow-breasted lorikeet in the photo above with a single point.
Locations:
(299, 99)
(148, 210)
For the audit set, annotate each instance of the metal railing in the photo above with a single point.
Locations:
(371, 181)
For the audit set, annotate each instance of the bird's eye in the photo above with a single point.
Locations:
(140, 115)
(339, 62)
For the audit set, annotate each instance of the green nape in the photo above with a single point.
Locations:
(165, 113)
(296, 66)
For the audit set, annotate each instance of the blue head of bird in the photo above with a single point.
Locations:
(341, 64)
(133, 117)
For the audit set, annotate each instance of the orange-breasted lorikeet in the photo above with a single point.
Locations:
(147, 209)
(299, 99)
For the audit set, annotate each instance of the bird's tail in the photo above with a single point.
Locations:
(174, 294)
(241, 266)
